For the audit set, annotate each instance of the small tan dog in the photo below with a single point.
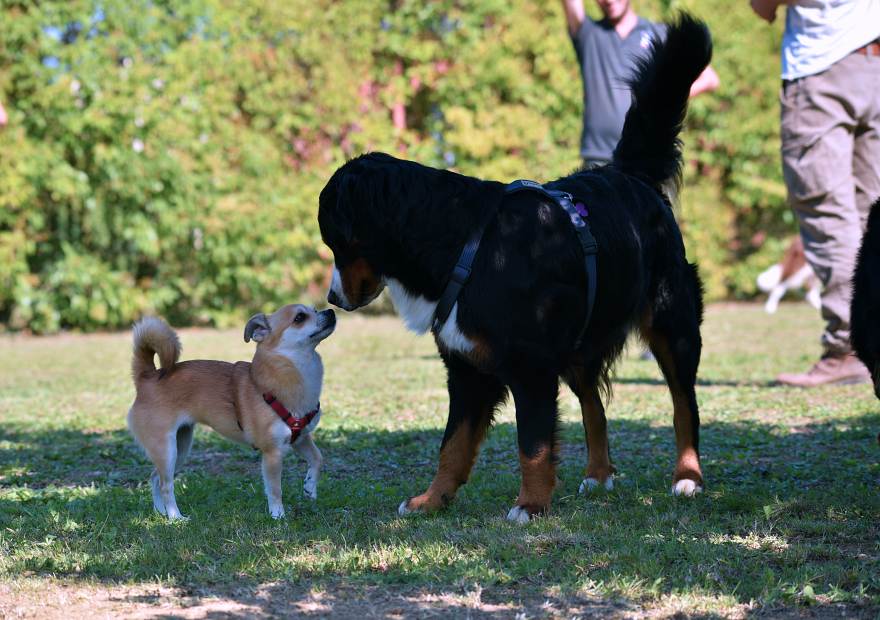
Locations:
(270, 403)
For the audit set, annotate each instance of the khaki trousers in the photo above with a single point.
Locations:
(831, 165)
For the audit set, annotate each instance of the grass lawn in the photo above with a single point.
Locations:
(789, 524)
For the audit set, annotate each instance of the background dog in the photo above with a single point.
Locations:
(865, 311)
(402, 225)
(792, 272)
(230, 398)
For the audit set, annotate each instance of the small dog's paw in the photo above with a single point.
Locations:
(176, 516)
(686, 487)
(310, 487)
(518, 514)
(276, 512)
(588, 485)
(404, 508)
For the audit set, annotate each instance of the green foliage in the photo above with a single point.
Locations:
(167, 157)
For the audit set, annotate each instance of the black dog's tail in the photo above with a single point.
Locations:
(649, 146)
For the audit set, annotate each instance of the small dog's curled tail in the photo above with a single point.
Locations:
(649, 146)
(153, 336)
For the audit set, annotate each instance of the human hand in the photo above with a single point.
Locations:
(765, 9)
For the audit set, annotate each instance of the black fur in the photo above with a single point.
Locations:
(526, 297)
(865, 313)
(649, 146)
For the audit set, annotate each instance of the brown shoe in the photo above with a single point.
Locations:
(830, 370)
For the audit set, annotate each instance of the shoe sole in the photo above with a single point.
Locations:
(845, 381)
(851, 381)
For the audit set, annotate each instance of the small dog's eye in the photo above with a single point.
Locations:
(300, 317)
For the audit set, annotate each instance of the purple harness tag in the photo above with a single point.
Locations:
(581, 209)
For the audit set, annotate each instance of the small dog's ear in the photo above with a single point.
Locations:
(257, 328)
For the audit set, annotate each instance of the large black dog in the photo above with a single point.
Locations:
(865, 313)
(402, 225)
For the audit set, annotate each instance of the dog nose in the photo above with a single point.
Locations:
(333, 298)
(330, 316)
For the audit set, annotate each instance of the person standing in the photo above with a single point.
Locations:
(830, 130)
(607, 51)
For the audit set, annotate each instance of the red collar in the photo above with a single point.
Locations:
(296, 424)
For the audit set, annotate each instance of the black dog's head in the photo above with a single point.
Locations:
(351, 226)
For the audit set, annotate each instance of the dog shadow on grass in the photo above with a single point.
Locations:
(782, 505)
(654, 381)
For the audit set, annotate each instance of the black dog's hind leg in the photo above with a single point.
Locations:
(473, 397)
(671, 328)
(584, 383)
(534, 393)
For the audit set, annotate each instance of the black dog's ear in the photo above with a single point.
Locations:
(257, 328)
(335, 206)
(343, 215)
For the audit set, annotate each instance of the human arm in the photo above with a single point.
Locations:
(707, 81)
(574, 15)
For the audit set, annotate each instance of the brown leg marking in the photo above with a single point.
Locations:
(687, 465)
(457, 458)
(538, 480)
(599, 465)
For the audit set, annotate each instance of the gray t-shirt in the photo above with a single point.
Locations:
(607, 62)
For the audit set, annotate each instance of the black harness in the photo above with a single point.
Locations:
(578, 215)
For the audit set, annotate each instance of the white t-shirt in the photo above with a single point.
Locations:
(818, 33)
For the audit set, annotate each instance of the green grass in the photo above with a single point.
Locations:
(790, 517)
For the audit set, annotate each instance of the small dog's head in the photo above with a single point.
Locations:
(291, 328)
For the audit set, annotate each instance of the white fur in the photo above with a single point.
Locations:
(307, 449)
(770, 281)
(165, 484)
(686, 487)
(589, 485)
(451, 336)
(769, 278)
(336, 287)
(272, 487)
(403, 509)
(418, 313)
(518, 515)
(164, 501)
(800, 277)
(309, 365)
(774, 298)
(158, 504)
(814, 296)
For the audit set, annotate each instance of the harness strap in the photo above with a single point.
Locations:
(460, 273)
(295, 424)
(578, 214)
